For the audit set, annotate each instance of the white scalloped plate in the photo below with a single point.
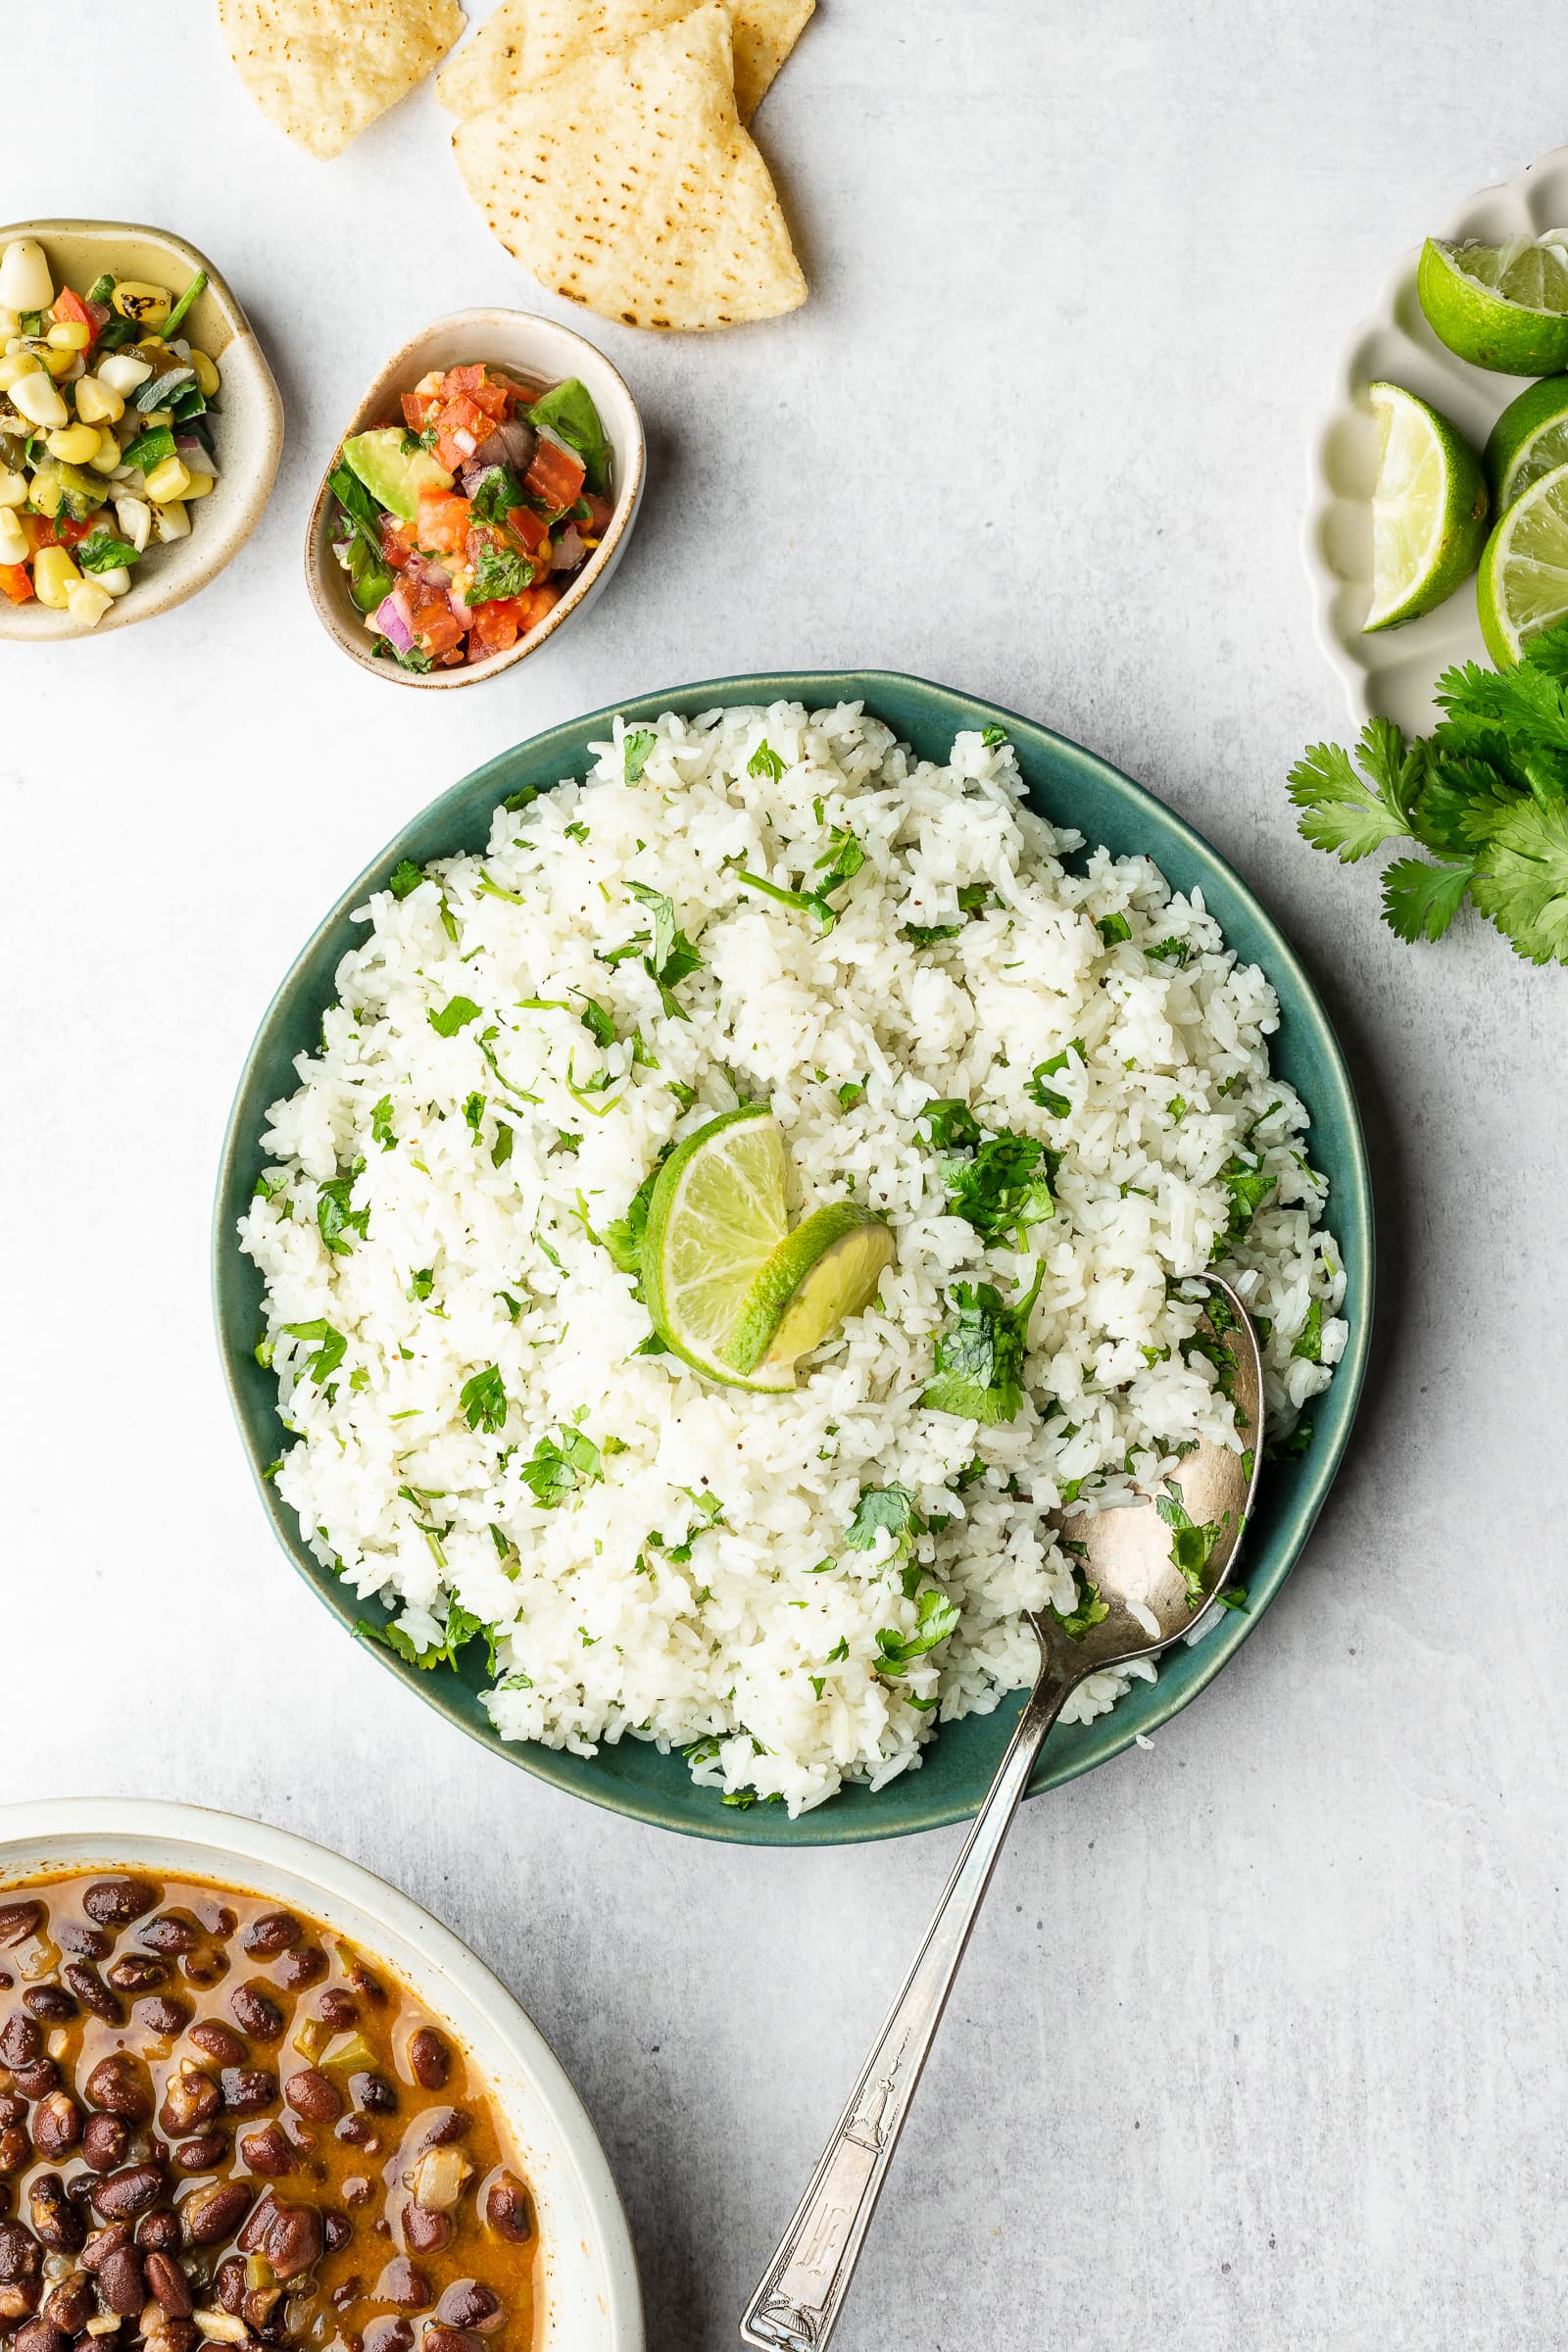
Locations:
(1392, 673)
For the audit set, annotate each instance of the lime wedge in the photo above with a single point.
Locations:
(1429, 509)
(1499, 305)
(715, 1217)
(826, 1270)
(1527, 440)
(1522, 586)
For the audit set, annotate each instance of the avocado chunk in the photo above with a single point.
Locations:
(394, 470)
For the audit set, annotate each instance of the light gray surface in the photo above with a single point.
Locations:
(1271, 2016)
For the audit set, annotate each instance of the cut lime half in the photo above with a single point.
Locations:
(1522, 586)
(1429, 507)
(825, 1271)
(1503, 306)
(715, 1216)
(1527, 440)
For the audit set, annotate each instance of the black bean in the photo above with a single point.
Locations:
(55, 2221)
(390, 2334)
(20, 2256)
(91, 1942)
(229, 2282)
(50, 2002)
(247, 2089)
(218, 2042)
(115, 1902)
(373, 2094)
(312, 2094)
(336, 2232)
(121, 2196)
(371, 1986)
(39, 2335)
(159, 2232)
(72, 2304)
(305, 1964)
(438, 2128)
(429, 2058)
(275, 1932)
(80, 2189)
(425, 2232)
(400, 2283)
(467, 2303)
(355, 2190)
(505, 2209)
(190, 2099)
(203, 2154)
(92, 1993)
(19, 2038)
(137, 1972)
(19, 1921)
(214, 2214)
(266, 2151)
(119, 2085)
(37, 2080)
(437, 2338)
(57, 2126)
(105, 2139)
(175, 2336)
(167, 2284)
(15, 2148)
(103, 2243)
(169, 1931)
(255, 2013)
(293, 2241)
(356, 2132)
(164, 2014)
(121, 2281)
(338, 2009)
(205, 1967)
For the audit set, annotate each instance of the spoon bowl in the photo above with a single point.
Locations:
(1146, 1576)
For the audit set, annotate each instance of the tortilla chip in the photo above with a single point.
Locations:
(324, 70)
(526, 39)
(627, 184)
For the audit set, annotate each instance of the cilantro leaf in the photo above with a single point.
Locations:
(766, 761)
(334, 1219)
(1352, 815)
(498, 572)
(330, 1349)
(1309, 1340)
(103, 551)
(555, 1471)
(842, 859)
(978, 1372)
(936, 1618)
(1059, 1104)
(1114, 928)
(1087, 1609)
(950, 1125)
(1191, 1545)
(1522, 879)
(483, 1401)
(1421, 899)
(635, 750)
(670, 956)
(1002, 1187)
(495, 491)
(405, 877)
(890, 1508)
(453, 1015)
(1249, 1188)
(383, 1130)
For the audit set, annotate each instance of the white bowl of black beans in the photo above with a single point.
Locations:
(253, 2099)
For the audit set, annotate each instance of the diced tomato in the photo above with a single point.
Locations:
(600, 510)
(42, 530)
(462, 425)
(433, 622)
(16, 583)
(557, 475)
(535, 602)
(443, 521)
(417, 409)
(530, 530)
(397, 542)
(70, 535)
(71, 311)
(493, 628)
(478, 385)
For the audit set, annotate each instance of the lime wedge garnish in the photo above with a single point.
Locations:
(1429, 507)
(1522, 585)
(1527, 440)
(715, 1217)
(1499, 305)
(826, 1270)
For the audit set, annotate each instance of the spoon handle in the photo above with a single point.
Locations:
(797, 2305)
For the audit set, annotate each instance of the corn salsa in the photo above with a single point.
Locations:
(105, 432)
(460, 527)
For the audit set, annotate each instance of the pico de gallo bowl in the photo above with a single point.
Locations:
(460, 529)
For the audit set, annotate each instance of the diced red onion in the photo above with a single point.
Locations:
(391, 618)
(195, 456)
(569, 550)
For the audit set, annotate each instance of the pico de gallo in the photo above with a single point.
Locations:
(459, 528)
(105, 432)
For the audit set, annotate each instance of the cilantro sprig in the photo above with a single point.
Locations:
(1485, 795)
(839, 863)
(979, 1356)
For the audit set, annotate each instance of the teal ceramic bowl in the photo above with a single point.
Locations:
(1068, 785)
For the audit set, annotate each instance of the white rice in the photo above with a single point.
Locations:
(754, 1638)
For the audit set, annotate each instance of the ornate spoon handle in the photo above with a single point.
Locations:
(797, 2305)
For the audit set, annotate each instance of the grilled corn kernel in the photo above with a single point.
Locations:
(107, 458)
(144, 303)
(53, 577)
(38, 401)
(45, 492)
(73, 444)
(87, 601)
(69, 335)
(13, 488)
(168, 482)
(24, 281)
(10, 325)
(98, 403)
(207, 375)
(14, 367)
(171, 521)
(14, 548)
(198, 485)
(136, 519)
(122, 371)
(115, 582)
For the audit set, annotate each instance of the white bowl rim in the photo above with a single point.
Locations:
(121, 1829)
(1324, 582)
(593, 577)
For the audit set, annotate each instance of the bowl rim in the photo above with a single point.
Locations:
(828, 1824)
(594, 574)
(128, 1826)
(259, 485)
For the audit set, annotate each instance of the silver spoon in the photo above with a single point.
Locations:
(1135, 1558)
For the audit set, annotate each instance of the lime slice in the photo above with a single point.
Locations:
(1527, 440)
(715, 1217)
(826, 1270)
(1522, 586)
(1429, 509)
(1499, 305)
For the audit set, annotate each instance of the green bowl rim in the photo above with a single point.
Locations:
(827, 1825)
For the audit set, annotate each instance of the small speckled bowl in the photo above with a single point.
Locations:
(533, 347)
(249, 430)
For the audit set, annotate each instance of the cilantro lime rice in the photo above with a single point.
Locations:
(1049, 1081)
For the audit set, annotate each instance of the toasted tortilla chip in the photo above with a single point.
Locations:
(626, 182)
(526, 39)
(324, 70)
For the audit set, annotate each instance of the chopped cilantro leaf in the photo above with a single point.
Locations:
(331, 1347)
(936, 1618)
(766, 761)
(1113, 929)
(883, 1509)
(405, 877)
(453, 1015)
(978, 1372)
(483, 1401)
(635, 750)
